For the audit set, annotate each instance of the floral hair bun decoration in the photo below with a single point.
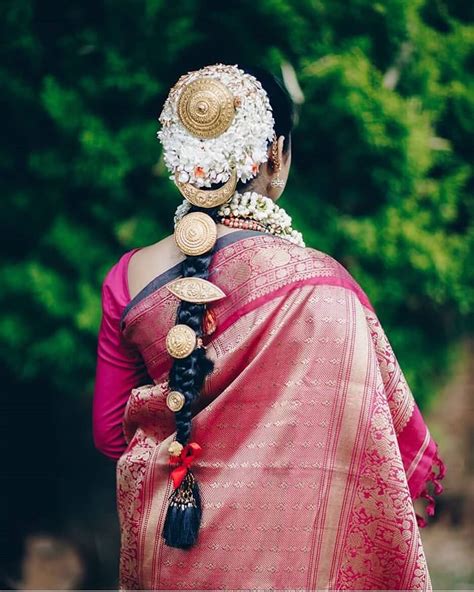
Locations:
(216, 126)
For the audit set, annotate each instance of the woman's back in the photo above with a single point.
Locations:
(299, 425)
(264, 433)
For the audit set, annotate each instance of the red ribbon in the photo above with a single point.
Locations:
(188, 455)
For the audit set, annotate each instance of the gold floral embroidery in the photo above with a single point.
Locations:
(399, 395)
(261, 499)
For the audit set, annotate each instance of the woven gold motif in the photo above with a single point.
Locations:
(196, 233)
(195, 290)
(208, 198)
(206, 108)
(175, 401)
(180, 341)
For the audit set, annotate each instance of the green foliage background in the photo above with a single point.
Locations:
(381, 175)
(380, 178)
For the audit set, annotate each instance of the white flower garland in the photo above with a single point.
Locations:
(244, 145)
(253, 206)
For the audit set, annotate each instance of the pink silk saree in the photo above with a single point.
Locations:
(313, 446)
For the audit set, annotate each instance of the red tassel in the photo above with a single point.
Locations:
(434, 478)
(188, 455)
(209, 322)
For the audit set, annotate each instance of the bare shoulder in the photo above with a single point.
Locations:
(148, 262)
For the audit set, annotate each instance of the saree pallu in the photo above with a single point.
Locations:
(313, 446)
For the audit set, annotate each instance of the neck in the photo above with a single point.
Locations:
(254, 211)
(259, 185)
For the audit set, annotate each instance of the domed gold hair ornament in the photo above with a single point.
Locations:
(196, 233)
(206, 108)
(195, 290)
(175, 401)
(208, 198)
(181, 341)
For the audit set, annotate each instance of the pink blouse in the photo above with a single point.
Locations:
(120, 366)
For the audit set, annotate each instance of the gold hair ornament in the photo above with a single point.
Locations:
(175, 401)
(181, 341)
(175, 448)
(195, 290)
(206, 108)
(196, 233)
(222, 111)
(208, 198)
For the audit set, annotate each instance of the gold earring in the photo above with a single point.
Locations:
(275, 159)
(276, 181)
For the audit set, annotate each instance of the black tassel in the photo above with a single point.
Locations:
(183, 517)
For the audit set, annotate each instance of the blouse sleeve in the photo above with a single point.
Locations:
(119, 368)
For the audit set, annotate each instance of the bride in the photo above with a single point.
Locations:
(264, 433)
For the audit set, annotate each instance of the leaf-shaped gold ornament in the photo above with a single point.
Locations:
(195, 290)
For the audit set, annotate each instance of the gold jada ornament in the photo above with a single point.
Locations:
(196, 233)
(175, 401)
(206, 108)
(195, 290)
(175, 448)
(181, 341)
(208, 198)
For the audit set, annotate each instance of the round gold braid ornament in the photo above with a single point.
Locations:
(196, 233)
(175, 401)
(208, 198)
(206, 108)
(181, 341)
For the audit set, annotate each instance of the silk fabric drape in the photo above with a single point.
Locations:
(313, 446)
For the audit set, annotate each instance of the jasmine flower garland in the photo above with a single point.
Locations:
(244, 146)
(256, 207)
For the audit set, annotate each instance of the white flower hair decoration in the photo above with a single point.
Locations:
(240, 144)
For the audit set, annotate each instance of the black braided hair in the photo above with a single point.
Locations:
(187, 375)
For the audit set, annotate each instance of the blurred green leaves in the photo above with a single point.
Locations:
(382, 176)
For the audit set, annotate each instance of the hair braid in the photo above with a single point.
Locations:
(194, 164)
(187, 375)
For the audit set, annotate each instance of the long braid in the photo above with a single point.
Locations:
(187, 375)
(201, 152)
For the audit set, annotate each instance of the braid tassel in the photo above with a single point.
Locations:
(183, 518)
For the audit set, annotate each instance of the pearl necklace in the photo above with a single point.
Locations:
(253, 211)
